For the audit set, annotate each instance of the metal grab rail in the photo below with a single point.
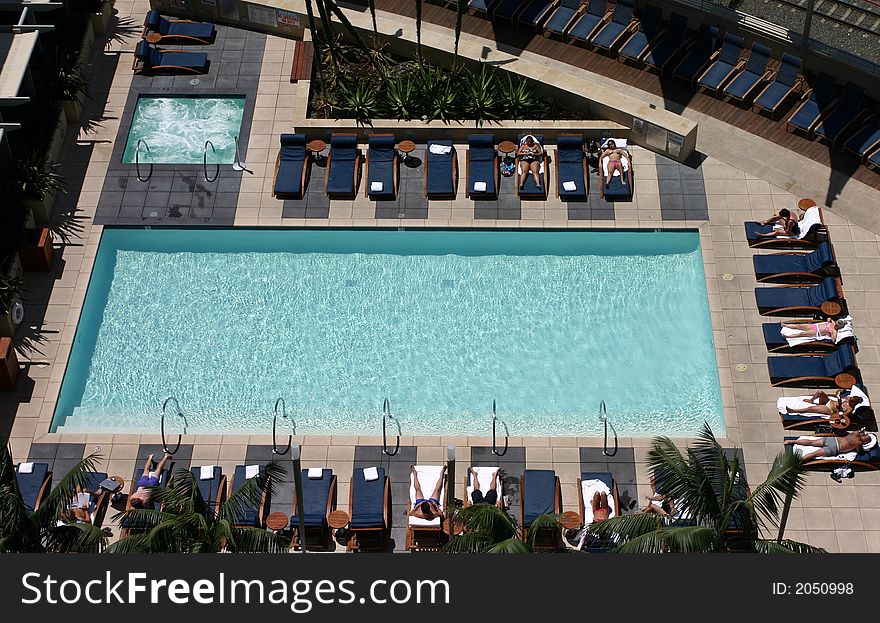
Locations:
(162, 425)
(275, 427)
(137, 161)
(506, 433)
(205, 162)
(239, 164)
(386, 415)
(603, 415)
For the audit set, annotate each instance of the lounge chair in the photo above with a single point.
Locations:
(34, 483)
(382, 167)
(425, 534)
(671, 42)
(621, 23)
(540, 494)
(572, 180)
(588, 485)
(816, 102)
(845, 113)
(536, 13)
(813, 371)
(785, 82)
(530, 189)
(149, 60)
(872, 160)
(100, 497)
(862, 415)
(484, 474)
(647, 32)
(211, 482)
(292, 167)
(617, 189)
(777, 343)
(319, 500)
(864, 461)
(508, 9)
(165, 477)
(754, 73)
(724, 63)
(697, 57)
(252, 516)
(811, 233)
(158, 29)
(800, 301)
(370, 504)
(483, 174)
(564, 16)
(589, 22)
(796, 266)
(867, 140)
(479, 7)
(343, 165)
(441, 170)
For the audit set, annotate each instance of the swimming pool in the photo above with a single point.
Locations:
(440, 322)
(175, 129)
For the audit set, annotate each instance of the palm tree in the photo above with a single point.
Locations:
(419, 31)
(488, 529)
(714, 509)
(45, 529)
(186, 524)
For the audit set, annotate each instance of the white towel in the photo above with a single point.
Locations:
(206, 472)
(811, 218)
(316, 473)
(790, 335)
(846, 332)
(589, 488)
(625, 163)
(855, 391)
(802, 450)
(251, 470)
(371, 473)
(479, 187)
(484, 475)
(796, 402)
(428, 475)
(439, 149)
(26, 468)
(618, 142)
(376, 187)
(569, 185)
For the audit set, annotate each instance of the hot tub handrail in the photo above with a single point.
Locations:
(205, 162)
(275, 449)
(506, 433)
(162, 425)
(603, 415)
(137, 161)
(386, 415)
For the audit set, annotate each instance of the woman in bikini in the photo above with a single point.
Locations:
(530, 152)
(817, 330)
(614, 163)
(823, 404)
(784, 224)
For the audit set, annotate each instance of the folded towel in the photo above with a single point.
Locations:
(315, 473)
(376, 187)
(618, 142)
(83, 499)
(484, 475)
(206, 472)
(26, 468)
(867, 447)
(480, 187)
(569, 185)
(428, 476)
(371, 473)
(811, 218)
(251, 470)
(436, 148)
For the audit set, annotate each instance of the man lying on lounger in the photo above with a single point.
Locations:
(427, 509)
(491, 496)
(855, 441)
(141, 496)
(784, 224)
(614, 154)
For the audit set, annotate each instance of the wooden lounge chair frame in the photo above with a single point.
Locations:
(467, 190)
(395, 169)
(559, 179)
(357, 166)
(381, 534)
(454, 177)
(577, 14)
(805, 309)
(315, 538)
(801, 277)
(307, 165)
(546, 539)
(138, 66)
(173, 38)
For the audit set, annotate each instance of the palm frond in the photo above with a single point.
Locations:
(64, 492)
(249, 495)
(76, 537)
(627, 527)
(255, 540)
(767, 546)
(509, 546)
(542, 524)
(786, 477)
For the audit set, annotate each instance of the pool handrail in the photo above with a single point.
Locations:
(205, 162)
(386, 415)
(603, 415)
(275, 427)
(506, 433)
(137, 161)
(162, 426)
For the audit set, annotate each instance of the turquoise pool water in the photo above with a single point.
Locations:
(440, 322)
(175, 129)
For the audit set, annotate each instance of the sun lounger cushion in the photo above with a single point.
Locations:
(29, 484)
(816, 262)
(316, 493)
(831, 126)
(620, 19)
(506, 8)
(208, 487)
(291, 161)
(699, 54)
(368, 500)
(440, 176)
(248, 516)
(812, 296)
(479, 6)
(93, 481)
(428, 476)
(484, 475)
(540, 494)
(562, 16)
(482, 163)
(827, 366)
(749, 78)
(724, 64)
(534, 11)
(773, 95)
(597, 482)
(589, 20)
(865, 139)
(343, 156)
(196, 30)
(649, 26)
(819, 100)
(381, 170)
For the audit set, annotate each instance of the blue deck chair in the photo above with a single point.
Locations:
(796, 267)
(148, 59)
(563, 17)
(864, 462)
(612, 33)
(673, 39)
(845, 113)
(441, 171)
(588, 24)
(755, 73)
(866, 140)
(508, 9)
(482, 166)
(530, 189)
(815, 235)
(369, 501)
(127, 525)
(817, 101)
(617, 189)
(158, 29)
(536, 13)
(251, 515)
(777, 344)
(343, 165)
(698, 54)
(541, 495)
(35, 485)
(382, 168)
(724, 63)
(786, 80)
(213, 489)
(647, 33)
(812, 371)
(862, 415)
(291, 167)
(92, 484)
(319, 500)
(799, 301)
(571, 167)
(479, 7)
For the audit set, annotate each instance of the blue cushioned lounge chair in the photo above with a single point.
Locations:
(382, 167)
(797, 267)
(530, 189)
(755, 72)
(292, 167)
(253, 516)
(587, 486)
(101, 498)
(648, 31)
(536, 13)
(776, 343)
(370, 504)
(724, 63)
(482, 166)
(165, 477)
(148, 59)
(617, 189)
(508, 9)
(862, 415)
(864, 462)
(213, 489)
(845, 113)
(571, 167)
(441, 171)
(479, 7)
(158, 29)
(34, 486)
(588, 23)
(343, 165)
(813, 371)
(613, 32)
(800, 301)
(786, 80)
(816, 234)
(697, 57)
(673, 39)
(815, 103)
(563, 17)
(541, 495)
(867, 140)
(319, 500)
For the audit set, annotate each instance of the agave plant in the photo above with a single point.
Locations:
(481, 93)
(518, 97)
(64, 76)
(439, 93)
(400, 97)
(34, 177)
(488, 529)
(360, 102)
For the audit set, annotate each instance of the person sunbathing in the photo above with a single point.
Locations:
(427, 509)
(823, 404)
(491, 496)
(77, 514)
(856, 441)
(530, 153)
(817, 330)
(141, 496)
(657, 504)
(615, 162)
(601, 509)
(784, 224)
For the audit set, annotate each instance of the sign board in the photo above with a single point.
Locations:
(674, 143)
(262, 16)
(287, 20)
(655, 136)
(638, 126)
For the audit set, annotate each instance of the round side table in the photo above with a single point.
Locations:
(153, 37)
(831, 308)
(338, 519)
(806, 204)
(277, 521)
(570, 520)
(507, 147)
(844, 380)
(316, 147)
(406, 148)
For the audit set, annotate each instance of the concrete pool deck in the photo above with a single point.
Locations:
(715, 197)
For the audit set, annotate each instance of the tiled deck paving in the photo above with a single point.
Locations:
(714, 196)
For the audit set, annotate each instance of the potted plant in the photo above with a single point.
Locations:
(64, 80)
(11, 294)
(37, 183)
